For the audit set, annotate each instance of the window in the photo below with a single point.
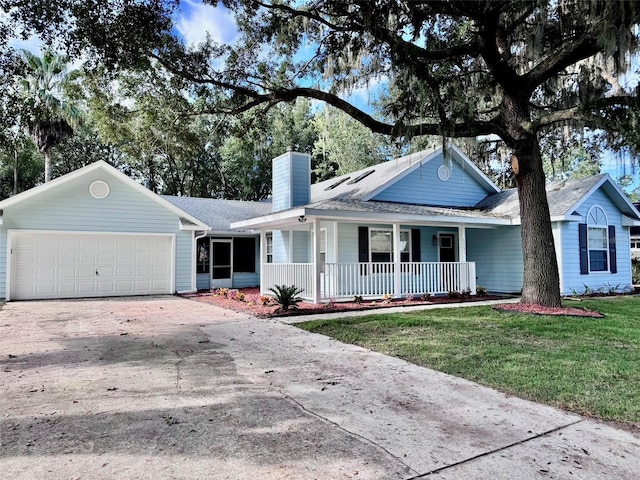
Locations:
(405, 245)
(597, 240)
(244, 255)
(202, 255)
(269, 247)
(323, 246)
(381, 245)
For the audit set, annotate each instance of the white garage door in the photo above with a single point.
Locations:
(54, 265)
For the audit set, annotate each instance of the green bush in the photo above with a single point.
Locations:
(635, 271)
(287, 297)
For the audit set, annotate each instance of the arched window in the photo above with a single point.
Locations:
(597, 240)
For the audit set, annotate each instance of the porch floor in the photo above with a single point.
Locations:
(248, 300)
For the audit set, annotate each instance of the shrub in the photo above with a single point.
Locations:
(425, 297)
(386, 298)
(481, 291)
(265, 300)
(452, 294)
(287, 296)
(240, 296)
(357, 299)
(635, 271)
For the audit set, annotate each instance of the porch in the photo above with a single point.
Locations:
(343, 281)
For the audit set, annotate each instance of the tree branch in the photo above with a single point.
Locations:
(566, 56)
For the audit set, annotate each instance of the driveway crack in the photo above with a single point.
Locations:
(491, 452)
(361, 437)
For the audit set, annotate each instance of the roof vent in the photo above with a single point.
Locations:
(99, 189)
(361, 176)
(339, 182)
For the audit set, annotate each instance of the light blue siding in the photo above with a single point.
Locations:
(497, 253)
(281, 188)
(570, 258)
(301, 247)
(423, 187)
(281, 246)
(71, 208)
(203, 281)
(301, 179)
(291, 183)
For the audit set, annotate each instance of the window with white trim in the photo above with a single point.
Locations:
(269, 247)
(381, 245)
(597, 240)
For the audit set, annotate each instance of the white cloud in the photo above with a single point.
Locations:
(196, 20)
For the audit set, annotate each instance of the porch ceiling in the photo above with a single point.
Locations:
(375, 212)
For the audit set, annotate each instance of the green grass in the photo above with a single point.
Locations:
(585, 365)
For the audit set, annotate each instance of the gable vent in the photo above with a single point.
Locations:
(339, 182)
(361, 176)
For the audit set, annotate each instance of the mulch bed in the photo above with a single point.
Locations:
(252, 303)
(539, 310)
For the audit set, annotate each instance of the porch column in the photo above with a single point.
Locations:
(315, 249)
(462, 243)
(263, 257)
(397, 290)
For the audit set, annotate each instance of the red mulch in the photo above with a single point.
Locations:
(539, 310)
(252, 303)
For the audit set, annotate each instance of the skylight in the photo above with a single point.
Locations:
(339, 182)
(361, 176)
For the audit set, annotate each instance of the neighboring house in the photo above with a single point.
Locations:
(424, 223)
(635, 239)
(430, 223)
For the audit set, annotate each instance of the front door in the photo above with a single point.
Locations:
(221, 270)
(447, 252)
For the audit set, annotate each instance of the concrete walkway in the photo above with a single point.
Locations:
(165, 387)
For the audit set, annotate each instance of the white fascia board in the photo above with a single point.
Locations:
(557, 218)
(230, 233)
(630, 222)
(265, 220)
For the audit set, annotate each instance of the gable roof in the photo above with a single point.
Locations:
(366, 183)
(218, 213)
(564, 198)
(187, 221)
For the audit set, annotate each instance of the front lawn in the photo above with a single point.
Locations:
(586, 365)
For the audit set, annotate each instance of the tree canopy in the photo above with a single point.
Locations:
(513, 69)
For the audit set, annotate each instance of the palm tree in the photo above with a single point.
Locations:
(51, 118)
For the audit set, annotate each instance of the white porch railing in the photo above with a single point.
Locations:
(346, 280)
(298, 274)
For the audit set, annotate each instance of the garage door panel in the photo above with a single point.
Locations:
(81, 265)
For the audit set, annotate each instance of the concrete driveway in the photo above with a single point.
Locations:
(155, 388)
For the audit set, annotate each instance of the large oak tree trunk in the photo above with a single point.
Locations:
(541, 283)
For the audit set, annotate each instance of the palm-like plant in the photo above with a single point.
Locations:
(287, 297)
(50, 116)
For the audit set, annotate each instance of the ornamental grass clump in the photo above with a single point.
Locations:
(287, 296)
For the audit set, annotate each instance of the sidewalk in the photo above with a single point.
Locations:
(360, 313)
